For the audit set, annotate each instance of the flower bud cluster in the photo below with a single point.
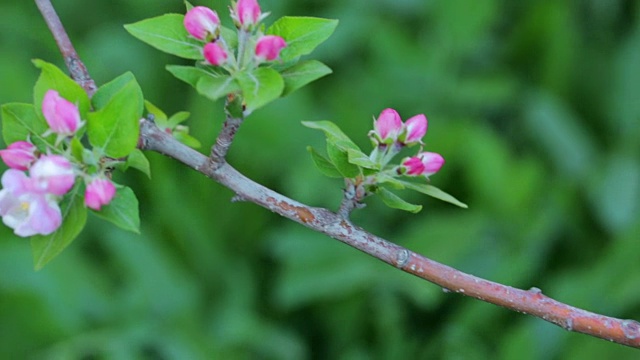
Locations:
(35, 182)
(390, 135)
(254, 47)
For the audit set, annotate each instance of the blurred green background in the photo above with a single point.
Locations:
(535, 104)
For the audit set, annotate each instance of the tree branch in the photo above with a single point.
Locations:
(76, 67)
(532, 301)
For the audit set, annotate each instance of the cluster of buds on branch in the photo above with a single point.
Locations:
(36, 182)
(254, 47)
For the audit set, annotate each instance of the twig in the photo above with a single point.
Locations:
(76, 67)
(532, 301)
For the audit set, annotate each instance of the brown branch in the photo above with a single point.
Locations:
(76, 67)
(532, 301)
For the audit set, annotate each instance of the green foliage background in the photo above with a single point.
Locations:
(535, 105)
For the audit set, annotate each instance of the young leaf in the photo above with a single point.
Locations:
(115, 127)
(167, 33)
(107, 91)
(185, 138)
(216, 87)
(434, 192)
(122, 210)
(188, 74)
(20, 121)
(74, 215)
(394, 201)
(177, 118)
(137, 160)
(340, 159)
(52, 78)
(259, 87)
(158, 115)
(303, 73)
(302, 34)
(330, 129)
(323, 164)
(359, 158)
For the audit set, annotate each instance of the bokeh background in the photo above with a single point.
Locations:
(535, 105)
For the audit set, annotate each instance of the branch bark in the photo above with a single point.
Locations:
(532, 301)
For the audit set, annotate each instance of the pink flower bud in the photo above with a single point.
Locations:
(62, 116)
(425, 164)
(268, 47)
(388, 126)
(201, 21)
(52, 174)
(99, 192)
(28, 213)
(247, 12)
(415, 127)
(19, 155)
(215, 54)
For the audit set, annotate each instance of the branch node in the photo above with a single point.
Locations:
(402, 258)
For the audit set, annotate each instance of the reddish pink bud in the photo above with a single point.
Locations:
(99, 192)
(268, 47)
(247, 12)
(415, 127)
(52, 174)
(62, 116)
(425, 164)
(388, 126)
(201, 21)
(19, 155)
(215, 54)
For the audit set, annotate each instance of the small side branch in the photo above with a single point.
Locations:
(233, 119)
(76, 68)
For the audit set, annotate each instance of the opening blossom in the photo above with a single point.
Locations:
(215, 54)
(99, 192)
(19, 155)
(62, 115)
(52, 174)
(423, 164)
(24, 208)
(268, 47)
(201, 22)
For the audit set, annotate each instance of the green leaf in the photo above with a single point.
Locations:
(20, 121)
(178, 118)
(188, 74)
(359, 158)
(302, 34)
(115, 127)
(394, 201)
(332, 131)
(139, 161)
(167, 33)
(77, 150)
(106, 92)
(323, 164)
(74, 216)
(303, 73)
(158, 114)
(51, 77)
(185, 138)
(436, 193)
(259, 87)
(122, 210)
(340, 160)
(216, 87)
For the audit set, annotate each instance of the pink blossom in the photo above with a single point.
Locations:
(99, 192)
(415, 127)
(26, 211)
(52, 174)
(388, 126)
(247, 12)
(62, 116)
(201, 21)
(19, 155)
(423, 164)
(268, 47)
(215, 54)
